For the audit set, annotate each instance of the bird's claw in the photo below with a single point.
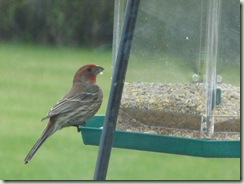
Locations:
(82, 124)
(78, 130)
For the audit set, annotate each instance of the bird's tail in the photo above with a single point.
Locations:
(48, 131)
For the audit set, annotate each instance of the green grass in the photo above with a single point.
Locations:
(33, 79)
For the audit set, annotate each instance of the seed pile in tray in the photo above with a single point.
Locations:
(177, 109)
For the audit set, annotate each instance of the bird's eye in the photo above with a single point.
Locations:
(89, 69)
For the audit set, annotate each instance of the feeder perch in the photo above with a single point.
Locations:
(161, 143)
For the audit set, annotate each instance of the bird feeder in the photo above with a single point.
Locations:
(181, 93)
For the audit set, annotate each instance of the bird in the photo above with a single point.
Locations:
(80, 104)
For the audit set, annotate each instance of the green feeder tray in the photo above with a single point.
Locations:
(161, 143)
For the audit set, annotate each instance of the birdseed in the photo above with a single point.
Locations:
(177, 110)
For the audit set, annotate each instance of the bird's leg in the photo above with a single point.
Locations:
(82, 124)
(77, 126)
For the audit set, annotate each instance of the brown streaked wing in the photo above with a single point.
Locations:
(73, 100)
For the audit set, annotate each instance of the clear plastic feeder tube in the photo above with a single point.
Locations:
(119, 7)
(213, 22)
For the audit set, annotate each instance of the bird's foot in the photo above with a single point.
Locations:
(82, 124)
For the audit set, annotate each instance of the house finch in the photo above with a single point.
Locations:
(78, 105)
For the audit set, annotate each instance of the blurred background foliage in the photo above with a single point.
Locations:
(57, 22)
(90, 23)
(171, 28)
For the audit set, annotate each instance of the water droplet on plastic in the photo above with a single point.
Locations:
(219, 78)
(195, 77)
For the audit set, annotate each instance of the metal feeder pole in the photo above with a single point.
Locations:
(116, 90)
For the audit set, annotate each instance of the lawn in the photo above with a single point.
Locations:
(33, 79)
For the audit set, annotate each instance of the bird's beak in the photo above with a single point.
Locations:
(99, 70)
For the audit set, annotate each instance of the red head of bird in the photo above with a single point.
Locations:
(87, 73)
